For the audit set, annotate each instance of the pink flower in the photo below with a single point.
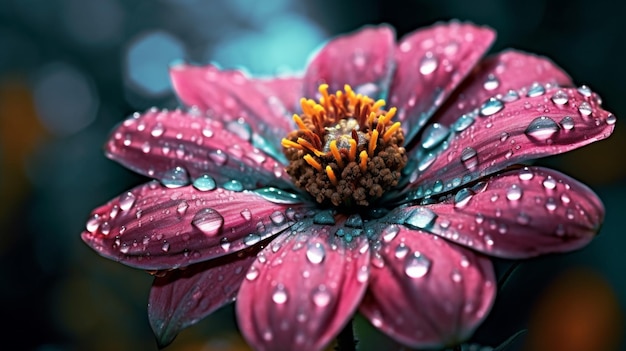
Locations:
(394, 210)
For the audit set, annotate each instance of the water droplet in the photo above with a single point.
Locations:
(567, 123)
(491, 82)
(426, 161)
(560, 97)
(204, 183)
(224, 244)
(354, 221)
(584, 108)
(280, 294)
(462, 123)
(240, 128)
(233, 185)
(145, 147)
(416, 265)
(542, 128)
(536, 90)
(491, 106)
(526, 174)
(251, 239)
(157, 130)
(182, 207)
(175, 178)
(127, 200)
(390, 232)
(514, 193)
(246, 214)
(93, 223)
(469, 158)
(433, 135)
(611, 119)
(456, 276)
(523, 218)
(321, 296)
(165, 247)
(510, 96)
(209, 221)
(219, 157)
(428, 64)
(252, 273)
(324, 217)
(277, 196)
(549, 183)
(401, 250)
(277, 217)
(462, 197)
(421, 218)
(315, 253)
(584, 91)
(550, 204)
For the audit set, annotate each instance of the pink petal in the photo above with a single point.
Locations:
(157, 142)
(551, 121)
(497, 75)
(363, 59)
(181, 298)
(427, 292)
(431, 63)
(517, 214)
(302, 289)
(154, 227)
(288, 90)
(231, 96)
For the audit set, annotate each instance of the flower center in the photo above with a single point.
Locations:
(346, 151)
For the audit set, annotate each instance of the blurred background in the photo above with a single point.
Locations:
(72, 69)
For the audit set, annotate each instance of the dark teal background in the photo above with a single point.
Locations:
(87, 60)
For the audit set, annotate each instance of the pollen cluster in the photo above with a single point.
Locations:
(346, 151)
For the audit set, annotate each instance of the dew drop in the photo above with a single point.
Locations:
(462, 197)
(421, 218)
(491, 82)
(127, 200)
(416, 265)
(390, 232)
(246, 214)
(324, 217)
(584, 108)
(209, 221)
(510, 96)
(315, 253)
(584, 91)
(536, 90)
(204, 183)
(175, 178)
(182, 207)
(277, 196)
(542, 128)
(240, 128)
(611, 119)
(550, 204)
(433, 135)
(549, 183)
(280, 294)
(428, 64)
(491, 106)
(567, 123)
(251, 239)
(560, 97)
(321, 296)
(93, 223)
(526, 174)
(514, 193)
(426, 161)
(252, 273)
(233, 185)
(401, 250)
(157, 130)
(165, 247)
(219, 157)
(469, 158)
(277, 217)
(146, 147)
(456, 276)
(523, 218)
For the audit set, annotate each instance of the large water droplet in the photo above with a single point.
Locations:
(433, 135)
(175, 178)
(514, 193)
(469, 158)
(560, 97)
(233, 185)
(584, 91)
(157, 130)
(462, 197)
(567, 123)
(536, 90)
(542, 128)
(277, 196)
(93, 223)
(321, 296)
(416, 265)
(526, 174)
(491, 106)
(204, 183)
(611, 119)
(428, 64)
(491, 82)
(401, 250)
(280, 294)
(315, 253)
(421, 218)
(209, 221)
(390, 232)
(585, 108)
(462, 123)
(127, 200)
(252, 273)
(549, 183)
(426, 161)
(277, 217)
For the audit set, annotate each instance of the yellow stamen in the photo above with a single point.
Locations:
(378, 104)
(310, 146)
(286, 143)
(363, 157)
(386, 118)
(373, 140)
(331, 175)
(335, 152)
(352, 150)
(390, 131)
(370, 119)
(299, 122)
(311, 161)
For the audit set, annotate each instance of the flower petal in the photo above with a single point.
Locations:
(154, 227)
(497, 75)
(231, 96)
(157, 142)
(302, 289)
(517, 214)
(431, 63)
(363, 59)
(543, 121)
(427, 292)
(181, 298)
(288, 90)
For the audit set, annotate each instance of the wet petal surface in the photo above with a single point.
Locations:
(178, 147)
(302, 289)
(430, 64)
(363, 59)
(517, 214)
(288, 91)
(427, 292)
(543, 121)
(232, 96)
(500, 75)
(181, 298)
(155, 227)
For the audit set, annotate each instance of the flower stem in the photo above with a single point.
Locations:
(345, 339)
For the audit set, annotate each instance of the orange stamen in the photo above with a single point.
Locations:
(352, 150)
(363, 157)
(378, 104)
(286, 143)
(299, 122)
(331, 175)
(390, 131)
(386, 118)
(311, 161)
(310, 146)
(373, 140)
(335, 151)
